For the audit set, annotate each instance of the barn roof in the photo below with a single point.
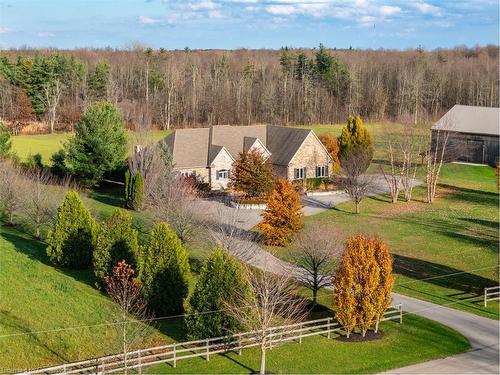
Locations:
(470, 119)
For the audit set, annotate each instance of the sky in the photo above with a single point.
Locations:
(227, 24)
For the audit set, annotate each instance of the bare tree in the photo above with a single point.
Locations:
(271, 300)
(317, 253)
(126, 291)
(394, 176)
(354, 182)
(40, 201)
(411, 148)
(435, 156)
(52, 96)
(11, 190)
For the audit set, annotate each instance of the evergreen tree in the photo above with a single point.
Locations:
(164, 271)
(332, 72)
(252, 174)
(99, 144)
(98, 82)
(221, 279)
(134, 190)
(5, 141)
(116, 241)
(283, 216)
(71, 241)
(58, 167)
(355, 139)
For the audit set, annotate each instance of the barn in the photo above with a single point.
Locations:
(473, 134)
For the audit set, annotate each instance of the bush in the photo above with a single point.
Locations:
(58, 160)
(71, 241)
(99, 144)
(134, 191)
(221, 279)
(116, 241)
(164, 271)
(5, 141)
(332, 145)
(33, 163)
(283, 216)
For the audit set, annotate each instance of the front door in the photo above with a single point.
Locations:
(475, 151)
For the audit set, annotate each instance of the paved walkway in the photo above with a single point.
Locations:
(483, 333)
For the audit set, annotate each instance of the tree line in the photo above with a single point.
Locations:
(208, 87)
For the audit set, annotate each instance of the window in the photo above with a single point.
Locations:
(223, 174)
(299, 173)
(187, 173)
(322, 171)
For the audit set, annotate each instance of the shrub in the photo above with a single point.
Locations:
(71, 241)
(5, 141)
(332, 145)
(116, 241)
(252, 174)
(221, 279)
(58, 160)
(33, 163)
(283, 216)
(164, 271)
(134, 190)
(99, 144)
(354, 139)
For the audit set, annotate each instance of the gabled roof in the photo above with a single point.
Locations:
(470, 119)
(198, 147)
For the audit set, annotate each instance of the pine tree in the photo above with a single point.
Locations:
(71, 242)
(98, 82)
(252, 174)
(116, 241)
(134, 191)
(99, 144)
(283, 216)
(355, 139)
(356, 284)
(164, 271)
(221, 279)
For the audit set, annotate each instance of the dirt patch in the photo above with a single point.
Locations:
(357, 337)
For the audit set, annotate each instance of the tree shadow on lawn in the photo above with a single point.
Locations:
(109, 196)
(36, 250)
(469, 285)
(469, 195)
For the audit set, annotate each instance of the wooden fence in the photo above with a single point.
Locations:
(173, 353)
(491, 294)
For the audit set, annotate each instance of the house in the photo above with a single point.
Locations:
(208, 153)
(473, 134)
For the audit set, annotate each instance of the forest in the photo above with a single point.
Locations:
(186, 88)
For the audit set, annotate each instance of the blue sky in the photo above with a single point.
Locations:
(248, 23)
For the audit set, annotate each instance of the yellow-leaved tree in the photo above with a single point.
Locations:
(383, 294)
(357, 283)
(283, 216)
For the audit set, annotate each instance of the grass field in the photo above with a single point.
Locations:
(47, 144)
(456, 234)
(36, 297)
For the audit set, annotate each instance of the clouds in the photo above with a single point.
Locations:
(46, 34)
(426, 8)
(4, 30)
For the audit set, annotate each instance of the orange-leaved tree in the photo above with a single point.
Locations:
(283, 216)
(356, 284)
(332, 145)
(383, 293)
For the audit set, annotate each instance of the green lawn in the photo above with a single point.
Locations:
(48, 144)
(416, 340)
(456, 234)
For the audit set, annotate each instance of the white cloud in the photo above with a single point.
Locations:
(367, 21)
(202, 5)
(311, 8)
(148, 20)
(387, 10)
(46, 34)
(4, 30)
(426, 8)
(215, 14)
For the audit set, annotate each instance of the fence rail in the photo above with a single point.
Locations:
(173, 353)
(491, 294)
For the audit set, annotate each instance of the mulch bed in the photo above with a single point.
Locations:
(356, 337)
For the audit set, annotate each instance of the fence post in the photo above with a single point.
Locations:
(208, 350)
(300, 336)
(64, 369)
(175, 356)
(140, 364)
(329, 328)
(485, 297)
(400, 308)
(239, 345)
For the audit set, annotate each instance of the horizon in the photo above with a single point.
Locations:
(248, 24)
